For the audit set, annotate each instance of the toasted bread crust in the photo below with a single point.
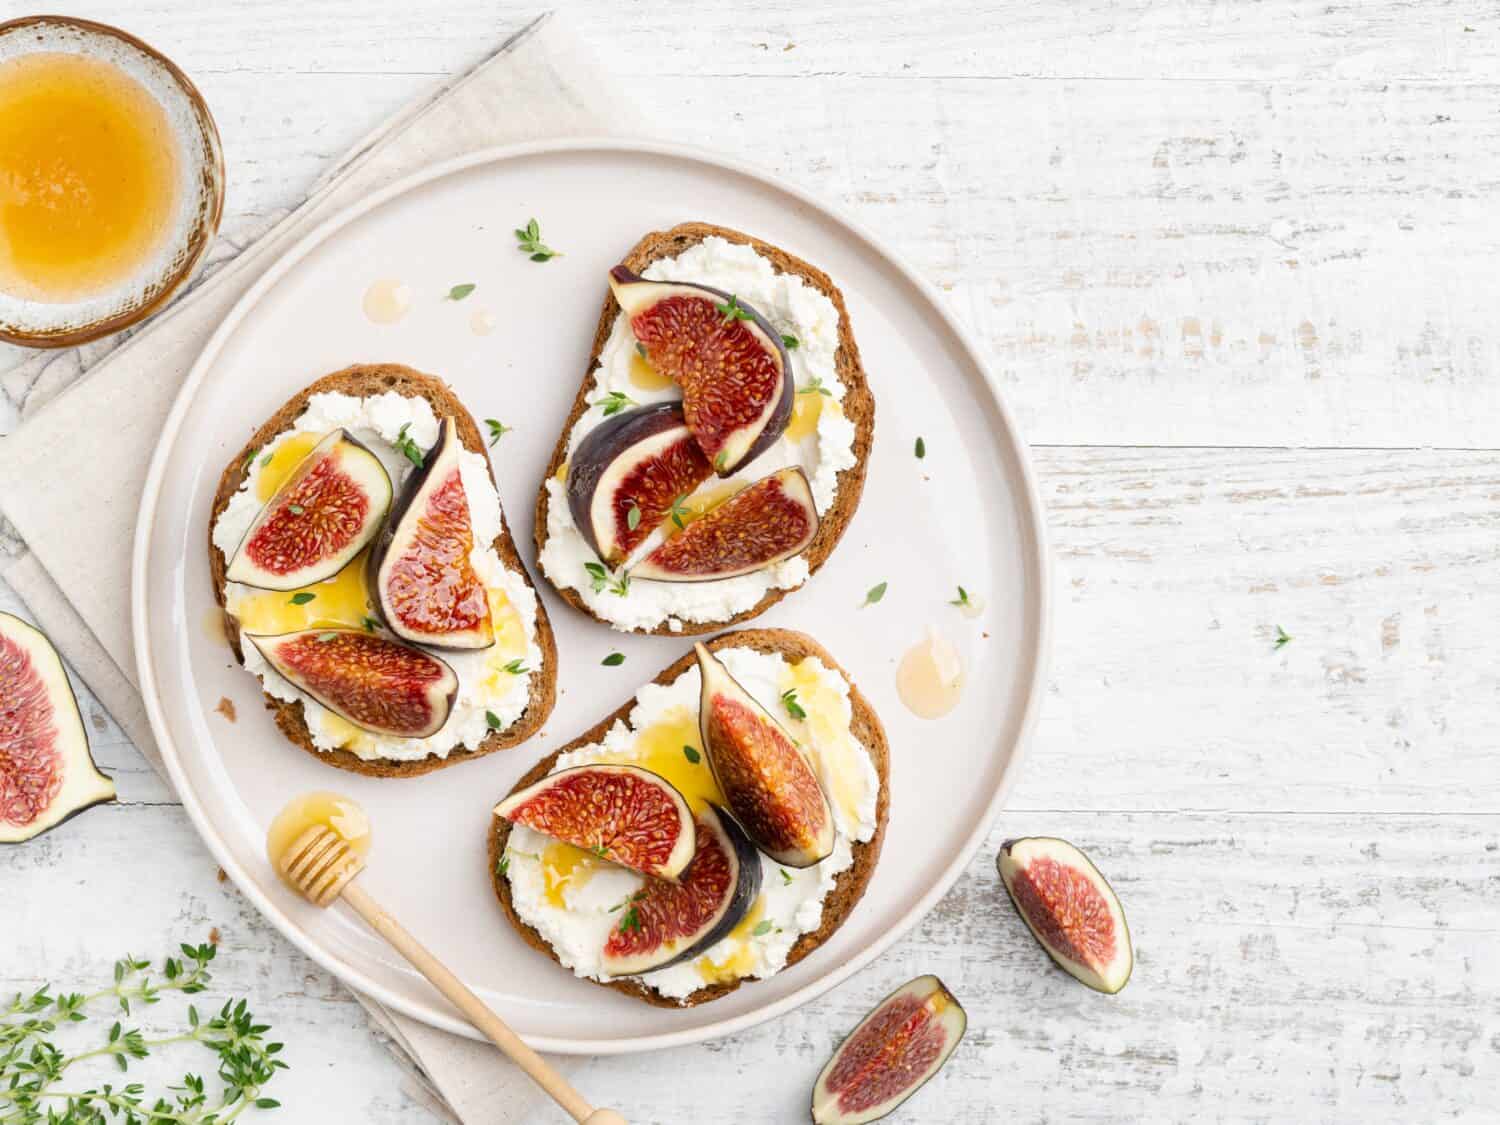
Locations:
(858, 405)
(849, 886)
(365, 380)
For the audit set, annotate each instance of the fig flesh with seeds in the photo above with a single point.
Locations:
(766, 523)
(736, 379)
(890, 1055)
(425, 585)
(47, 773)
(1070, 909)
(380, 685)
(625, 814)
(665, 923)
(627, 473)
(766, 779)
(320, 518)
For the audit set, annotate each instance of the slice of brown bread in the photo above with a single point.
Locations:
(364, 380)
(858, 404)
(849, 886)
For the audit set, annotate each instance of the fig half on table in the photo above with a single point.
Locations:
(47, 773)
(890, 1055)
(1070, 909)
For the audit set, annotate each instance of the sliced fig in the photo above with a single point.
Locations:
(424, 584)
(318, 520)
(1070, 909)
(378, 684)
(624, 813)
(736, 380)
(765, 778)
(46, 771)
(626, 474)
(890, 1055)
(771, 520)
(665, 922)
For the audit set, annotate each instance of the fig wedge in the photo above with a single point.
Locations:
(378, 684)
(890, 1055)
(665, 923)
(772, 520)
(625, 814)
(1070, 909)
(320, 518)
(627, 472)
(736, 379)
(423, 581)
(766, 780)
(47, 773)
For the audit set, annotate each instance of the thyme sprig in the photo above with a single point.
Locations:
(32, 1066)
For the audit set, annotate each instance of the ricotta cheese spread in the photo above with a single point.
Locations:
(819, 438)
(573, 899)
(486, 686)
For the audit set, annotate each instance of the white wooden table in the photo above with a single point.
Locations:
(1238, 266)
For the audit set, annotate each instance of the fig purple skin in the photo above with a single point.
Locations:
(608, 461)
(635, 294)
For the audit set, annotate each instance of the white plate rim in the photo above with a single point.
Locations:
(1033, 525)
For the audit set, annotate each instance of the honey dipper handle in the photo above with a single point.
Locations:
(477, 1012)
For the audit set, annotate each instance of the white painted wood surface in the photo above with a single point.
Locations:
(1236, 266)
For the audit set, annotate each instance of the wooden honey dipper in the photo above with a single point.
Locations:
(320, 865)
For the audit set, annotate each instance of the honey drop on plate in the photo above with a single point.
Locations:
(930, 677)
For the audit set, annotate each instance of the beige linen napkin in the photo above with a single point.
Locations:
(540, 84)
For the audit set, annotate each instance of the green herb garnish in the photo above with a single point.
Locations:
(411, 449)
(295, 509)
(613, 403)
(250, 459)
(680, 511)
(266, 460)
(504, 865)
(302, 598)
(600, 850)
(325, 638)
(613, 660)
(763, 928)
(721, 460)
(640, 349)
(371, 625)
(631, 921)
(793, 708)
(921, 449)
(732, 309)
(785, 875)
(962, 599)
(498, 430)
(31, 1064)
(598, 576)
(633, 516)
(815, 387)
(530, 243)
(492, 720)
(874, 594)
(621, 585)
(691, 755)
(516, 667)
(459, 292)
(788, 341)
(1283, 638)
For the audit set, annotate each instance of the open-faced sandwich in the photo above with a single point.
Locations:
(368, 578)
(716, 450)
(717, 828)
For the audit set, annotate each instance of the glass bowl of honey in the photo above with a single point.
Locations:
(111, 180)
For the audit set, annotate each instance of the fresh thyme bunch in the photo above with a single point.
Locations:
(33, 1068)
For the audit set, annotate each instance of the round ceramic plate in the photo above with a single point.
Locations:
(966, 514)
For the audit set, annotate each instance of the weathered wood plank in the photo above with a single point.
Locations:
(1290, 967)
